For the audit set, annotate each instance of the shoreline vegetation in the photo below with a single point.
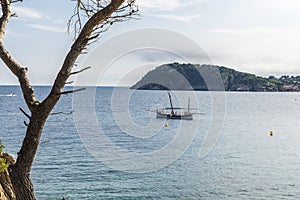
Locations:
(176, 76)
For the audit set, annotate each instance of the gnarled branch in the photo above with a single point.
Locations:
(97, 18)
(72, 91)
(23, 111)
(87, 8)
(86, 68)
(64, 113)
(100, 15)
(15, 68)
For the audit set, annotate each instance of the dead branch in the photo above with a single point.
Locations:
(64, 113)
(15, 1)
(72, 73)
(44, 142)
(19, 71)
(97, 13)
(69, 82)
(102, 14)
(23, 111)
(72, 91)
(94, 37)
(87, 8)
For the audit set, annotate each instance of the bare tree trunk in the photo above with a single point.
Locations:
(23, 186)
(19, 172)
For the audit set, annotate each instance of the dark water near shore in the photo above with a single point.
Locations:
(246, 162)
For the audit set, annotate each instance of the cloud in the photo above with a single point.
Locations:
(27, 13)
(168, 9)
(256, 31)
(59, 21)
(282, 4)
(166, 5)
(12, 33)
(183, 18)
(260, 50)
(48, 28)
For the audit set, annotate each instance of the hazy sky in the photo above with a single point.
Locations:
(257, 36)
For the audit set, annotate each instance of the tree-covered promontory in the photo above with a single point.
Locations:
(176, 76)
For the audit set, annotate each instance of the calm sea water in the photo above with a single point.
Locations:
(246, 162)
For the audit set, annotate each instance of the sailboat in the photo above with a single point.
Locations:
(175, 113)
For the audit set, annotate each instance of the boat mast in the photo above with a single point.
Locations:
(189, 105)
(171, 102)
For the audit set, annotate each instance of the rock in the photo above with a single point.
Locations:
(6, 188)
(3, 194)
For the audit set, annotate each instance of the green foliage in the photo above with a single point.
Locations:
(3, 163)
(178, 76)
(1, 146)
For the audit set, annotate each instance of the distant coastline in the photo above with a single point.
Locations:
(176, 76)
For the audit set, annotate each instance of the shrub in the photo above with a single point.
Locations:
(3, 163)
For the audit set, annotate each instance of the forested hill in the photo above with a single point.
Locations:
(177, 76)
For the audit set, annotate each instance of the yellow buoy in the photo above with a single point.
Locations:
(271, 133)
(166, 124)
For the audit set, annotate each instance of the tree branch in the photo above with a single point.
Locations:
(72, 91)
(15, 68)
(78, 46)
(72, 73)
(69, 82)
(64, 113)
(99, 12)
(23, 111)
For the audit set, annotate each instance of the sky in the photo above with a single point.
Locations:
(255, 36)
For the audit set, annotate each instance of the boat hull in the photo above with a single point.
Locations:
(186, 116)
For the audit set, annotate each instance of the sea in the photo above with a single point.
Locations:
(106, 143)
